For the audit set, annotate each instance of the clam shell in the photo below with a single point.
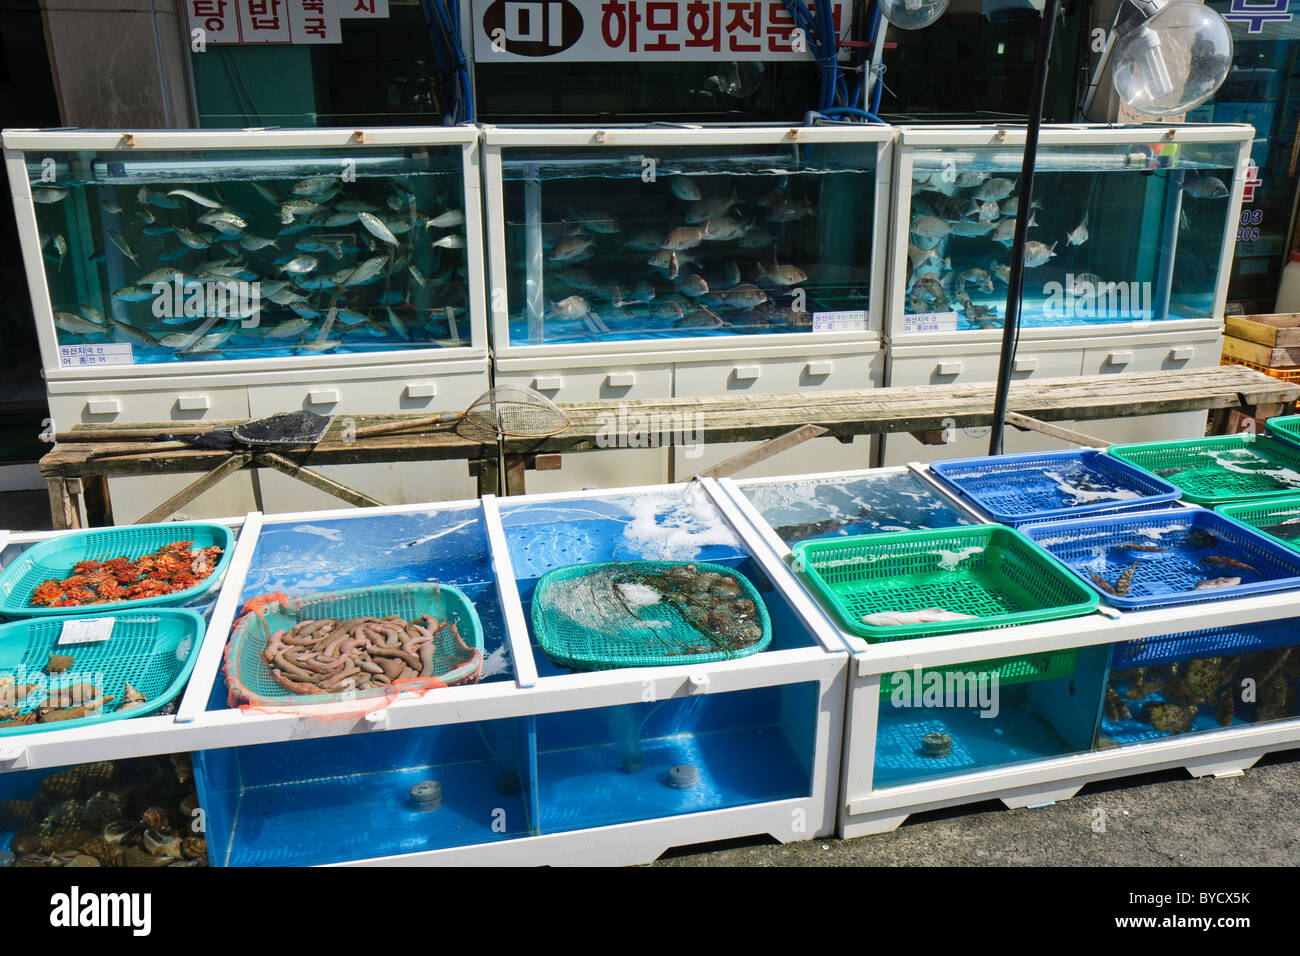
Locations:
(108, 854)
(161, 844)
(120, 831)
(156, 818)
(194, 848)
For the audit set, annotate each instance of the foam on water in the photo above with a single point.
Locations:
(672, 527)
(948, 560)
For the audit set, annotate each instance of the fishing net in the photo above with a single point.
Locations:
(343, 654)
(513, 411)
(647, 613)
(286, 428)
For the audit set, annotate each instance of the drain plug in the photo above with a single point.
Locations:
(427, 795)
(936, 745)
(683, 776)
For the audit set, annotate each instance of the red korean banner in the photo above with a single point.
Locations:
(595, 30)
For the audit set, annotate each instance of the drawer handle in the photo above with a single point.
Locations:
(948, 368)
(1181, 353)
(421, 389)
(745, 373)
(193, 403)
(620, 379)
(1119, 358)
(1025, 365)
(820, 369)
(323, 396)
(548, 383)
(103, 406)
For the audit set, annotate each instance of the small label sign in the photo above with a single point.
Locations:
(925, 323)
(85, 356)
(853, 321)
(87, 630)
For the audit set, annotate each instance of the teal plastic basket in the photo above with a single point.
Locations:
(994, 573)
(55, 558)
(1285, 427)
(249, 677)
(618, 635)
(1276, 518)
(154, 650)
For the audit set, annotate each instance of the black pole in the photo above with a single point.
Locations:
(1024, 212)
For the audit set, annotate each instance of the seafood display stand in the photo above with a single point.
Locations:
(537, 764)
(886, 777)
(118, 201)
(814, 325)
(1115, 183)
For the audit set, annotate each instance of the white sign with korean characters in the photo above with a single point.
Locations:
(218, 19)
(315, 21)
(522, 31)
(263, 21)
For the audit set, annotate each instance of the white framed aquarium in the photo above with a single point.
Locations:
(672, 240)
(1131, 230)
(170, 253)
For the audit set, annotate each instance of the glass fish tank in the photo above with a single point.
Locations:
(645, 239)
(1126, 226)
(164, 249)
(1201, 681)
(826, 506)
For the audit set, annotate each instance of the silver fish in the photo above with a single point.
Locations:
(930, 227)
(300, 265)
(1003, 273)
(995, 189)
(321, 345)
(647, 240)
(1006, 231)
(988, 210)
(303, 310)
(313, 185)
(684, 187)
(417, 275)
(61, 247)
(684, 237)
(574, 307)
(297, 207)
(283, 295)
(267, 193)
(667, 309)
(709, 208)
(967, 180)
(158, 230)
(253, 243)
(448, 220)
(110, 207)
(375, 226)
(117, 240)
(131, 333)
(1036, 253)
(147, 195)
(288, 328)
(132, 294)
(398, 325)
(720, 230)
(195, 198)
(49, 194)
(597, 220)
(341, 219)
(348, 317)
(145, 216)
(1079, 235)
(745, 296)
(76, 325)
(398, 227)
(226, 223)
(786, 275)
(165, 274)
(92, 313)
(699, 319)
(193, 240)
(967, 227)
(451, 241)
(787, 210)
(692, 285)
(573, 249)
(1205, 187)
(366, 271)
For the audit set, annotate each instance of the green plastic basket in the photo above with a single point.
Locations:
(1262, 514)
(1264, 467)
(55, 557)
(249, 678)
(617, 635)
(154, 650)
(1286, 427)
(994, 573)
(1010, 670)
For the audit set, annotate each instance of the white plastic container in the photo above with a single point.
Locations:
(1288, 290)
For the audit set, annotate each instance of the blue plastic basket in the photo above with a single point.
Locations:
(1013, 489)
(152, 649)
(1099, 545)
(55, 558)
(1213, 642)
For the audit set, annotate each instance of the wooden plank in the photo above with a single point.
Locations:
(516, 468)
(233, 463)
(746, 459)
(62, 514)
(488, 473)
(1027, 424)
(1267, 355)
(317, 480)
(1280, 330)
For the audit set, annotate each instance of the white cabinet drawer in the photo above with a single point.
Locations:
(423, 390)
(958, 367)
(771, 376)
(595, 384)
(1118, 359)
(163, 405)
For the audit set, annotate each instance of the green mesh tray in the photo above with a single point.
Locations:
(616, 635)
(994, 573)
(1260, 515)
(249, 678)
(152, 649)
(1010, 670)
(1220, 469)
(1286, 427)
(55, 557)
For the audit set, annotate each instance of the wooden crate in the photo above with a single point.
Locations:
(1257, 353)
(1279, 331)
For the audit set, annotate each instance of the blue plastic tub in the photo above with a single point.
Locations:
(1014, 489)
(1101, 546)
(1213, 642)
(55, 558)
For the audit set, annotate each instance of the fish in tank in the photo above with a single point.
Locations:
(673, 242)
(1116, 233)
(225, 254)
